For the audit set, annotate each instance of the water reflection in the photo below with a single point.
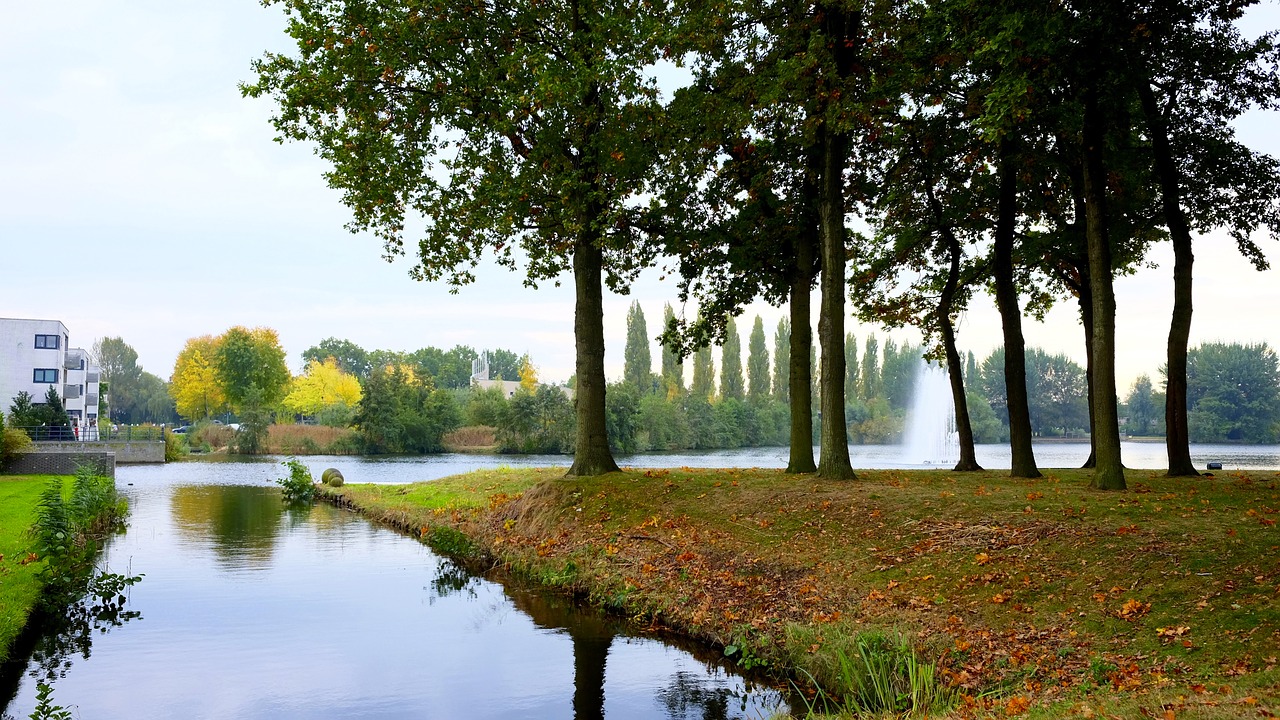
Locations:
(58, 635)
(254, 610)
(242, 521)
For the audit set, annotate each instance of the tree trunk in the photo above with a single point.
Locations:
(1086, 319)
(1177, 440)
(833, 460)
(800, 370)
(1109, 471)
(968, 456)
(1023, 461)
(591, 455)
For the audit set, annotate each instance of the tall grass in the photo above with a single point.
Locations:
(472, 436)
(878, 674)
(311, 440)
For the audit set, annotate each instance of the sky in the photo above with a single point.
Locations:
(142, 197)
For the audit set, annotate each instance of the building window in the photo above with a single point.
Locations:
(47, 342)
(45, 375)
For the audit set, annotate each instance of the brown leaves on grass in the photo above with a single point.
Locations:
(1016, 705)
(1134, 609)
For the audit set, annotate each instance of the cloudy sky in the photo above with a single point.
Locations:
(141, 196)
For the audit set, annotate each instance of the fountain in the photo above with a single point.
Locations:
(930, 436)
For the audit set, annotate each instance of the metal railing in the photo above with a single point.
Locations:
(91, 433)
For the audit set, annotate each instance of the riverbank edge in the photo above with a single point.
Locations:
(29, 566)
(507, 518)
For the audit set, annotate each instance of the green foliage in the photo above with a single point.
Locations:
(782, 361)
(255, 419)
(703, 387)
(250, 366)
(175, 446)
(66, 527)
(13, 442)
(485, 406)
(672, 363)
(539, 422)
(350, 357)
(1145, 415)
(637, 360)
(887, 676)
(45, 708)
(731, 382)
(1057, 391)
(622, 408)
(298, 487)
(23, 412)
(402, 413)
(757, 363)
(1233, 393)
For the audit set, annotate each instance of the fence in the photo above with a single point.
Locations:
(62, 433)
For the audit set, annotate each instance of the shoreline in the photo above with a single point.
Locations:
(982, 572)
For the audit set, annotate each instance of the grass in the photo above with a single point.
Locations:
(1039, 598)
(472, 438)
(310, 440)
(19, 585)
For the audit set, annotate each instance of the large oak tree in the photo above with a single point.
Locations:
(519, 129)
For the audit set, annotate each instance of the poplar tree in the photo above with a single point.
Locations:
(672, 364)
(757, 363)
(637, 360)
(782, 361)
(850, 368)
(731, 383)
(704, 375)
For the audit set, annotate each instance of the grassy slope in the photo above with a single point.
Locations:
(1161, 600)
(19, 588)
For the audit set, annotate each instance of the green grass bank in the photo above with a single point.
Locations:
(1033, 598)
(20, 567)
(49, 532)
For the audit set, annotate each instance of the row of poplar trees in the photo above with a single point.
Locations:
(1034, 147)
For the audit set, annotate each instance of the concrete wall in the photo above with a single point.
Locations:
(126, 451)
(60, 463)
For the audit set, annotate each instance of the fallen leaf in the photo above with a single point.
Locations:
(982, 558)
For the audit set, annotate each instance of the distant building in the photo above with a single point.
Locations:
(480, 377)
(36, 354)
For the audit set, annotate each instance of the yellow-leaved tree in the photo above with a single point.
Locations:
(528, 375)
(194, 384)
(323, 385)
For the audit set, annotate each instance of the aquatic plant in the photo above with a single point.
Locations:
(298, 487)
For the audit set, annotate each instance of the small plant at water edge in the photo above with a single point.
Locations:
(883, 675)
(46, 709)
(298, 486)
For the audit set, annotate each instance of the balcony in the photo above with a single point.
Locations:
(92, 376)
(71, 392)
(91, 399)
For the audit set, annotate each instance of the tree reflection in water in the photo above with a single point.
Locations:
(592, 633)
(63, 629)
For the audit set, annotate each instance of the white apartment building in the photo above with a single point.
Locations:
(35, 354)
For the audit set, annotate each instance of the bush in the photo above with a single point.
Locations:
(298, 487)
(12, 442)
(175, 446)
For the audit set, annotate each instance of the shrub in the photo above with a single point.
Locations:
(298, 487)
(12, 442)
(175, 446)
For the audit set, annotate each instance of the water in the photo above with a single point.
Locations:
(252, 610)
(1056, 454)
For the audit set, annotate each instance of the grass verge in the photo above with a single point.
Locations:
(1039, 598)
(20, 567)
